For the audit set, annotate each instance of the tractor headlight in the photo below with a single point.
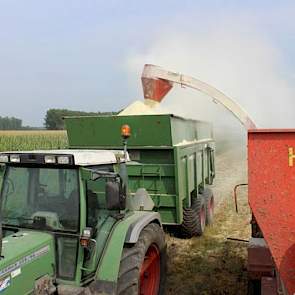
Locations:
(65, 160)
(85, 239)
(4, 158)
(15, 158)
(49, 159)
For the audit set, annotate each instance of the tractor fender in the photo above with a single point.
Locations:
(125, 231)
(136, 227)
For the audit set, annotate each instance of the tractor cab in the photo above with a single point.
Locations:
(70, 195)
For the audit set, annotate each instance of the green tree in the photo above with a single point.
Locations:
(10, 123)
(54, 117)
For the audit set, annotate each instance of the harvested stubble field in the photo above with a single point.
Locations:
(213, 264)
(30, 140)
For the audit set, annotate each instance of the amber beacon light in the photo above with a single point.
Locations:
(125, 131)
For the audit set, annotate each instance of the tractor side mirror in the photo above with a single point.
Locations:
(115, 198)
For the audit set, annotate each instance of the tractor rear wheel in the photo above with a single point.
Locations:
(209, 202)
(194, 218)
(143, 265)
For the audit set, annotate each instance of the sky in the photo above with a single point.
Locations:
(88, 55)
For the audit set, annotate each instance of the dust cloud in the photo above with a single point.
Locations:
(246, 67)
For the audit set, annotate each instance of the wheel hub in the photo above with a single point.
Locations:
(150, 272)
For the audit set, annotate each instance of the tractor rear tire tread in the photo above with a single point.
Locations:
(133, 256)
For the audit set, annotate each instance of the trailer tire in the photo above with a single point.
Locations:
(254, 287)
(194, 218)
(209, 202)
(136, 275)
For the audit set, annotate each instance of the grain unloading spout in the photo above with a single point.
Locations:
(157, 82)
(153, 87)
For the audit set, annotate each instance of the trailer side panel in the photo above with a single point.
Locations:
(271, 163)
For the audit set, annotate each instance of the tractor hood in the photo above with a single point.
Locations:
(27, 257)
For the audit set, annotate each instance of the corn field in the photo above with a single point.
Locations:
(30, 140)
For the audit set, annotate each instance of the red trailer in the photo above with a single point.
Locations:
(271, 173)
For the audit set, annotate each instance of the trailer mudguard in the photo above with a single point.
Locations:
(126, 231)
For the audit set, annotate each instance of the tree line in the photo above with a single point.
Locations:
(54, 117)
(10, 123)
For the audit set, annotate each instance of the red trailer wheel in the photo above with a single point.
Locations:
(203, 218)
(210, 211)
(209, 203)
(150, 272)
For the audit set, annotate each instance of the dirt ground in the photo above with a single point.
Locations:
(213, 264)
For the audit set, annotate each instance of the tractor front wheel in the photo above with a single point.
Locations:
(143, 265)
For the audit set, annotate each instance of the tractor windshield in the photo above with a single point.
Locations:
(41, 198)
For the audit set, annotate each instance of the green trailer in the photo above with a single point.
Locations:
(172, 158)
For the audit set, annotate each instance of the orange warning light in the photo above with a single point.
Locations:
(125, 131)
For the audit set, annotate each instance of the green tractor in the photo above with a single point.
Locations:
(88, 219)
(68, 229)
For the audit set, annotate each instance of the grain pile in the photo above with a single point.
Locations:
(146, 107)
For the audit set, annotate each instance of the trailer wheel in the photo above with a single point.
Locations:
(254, 287)
(194, 218)
(143, 265)
(209, 202)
